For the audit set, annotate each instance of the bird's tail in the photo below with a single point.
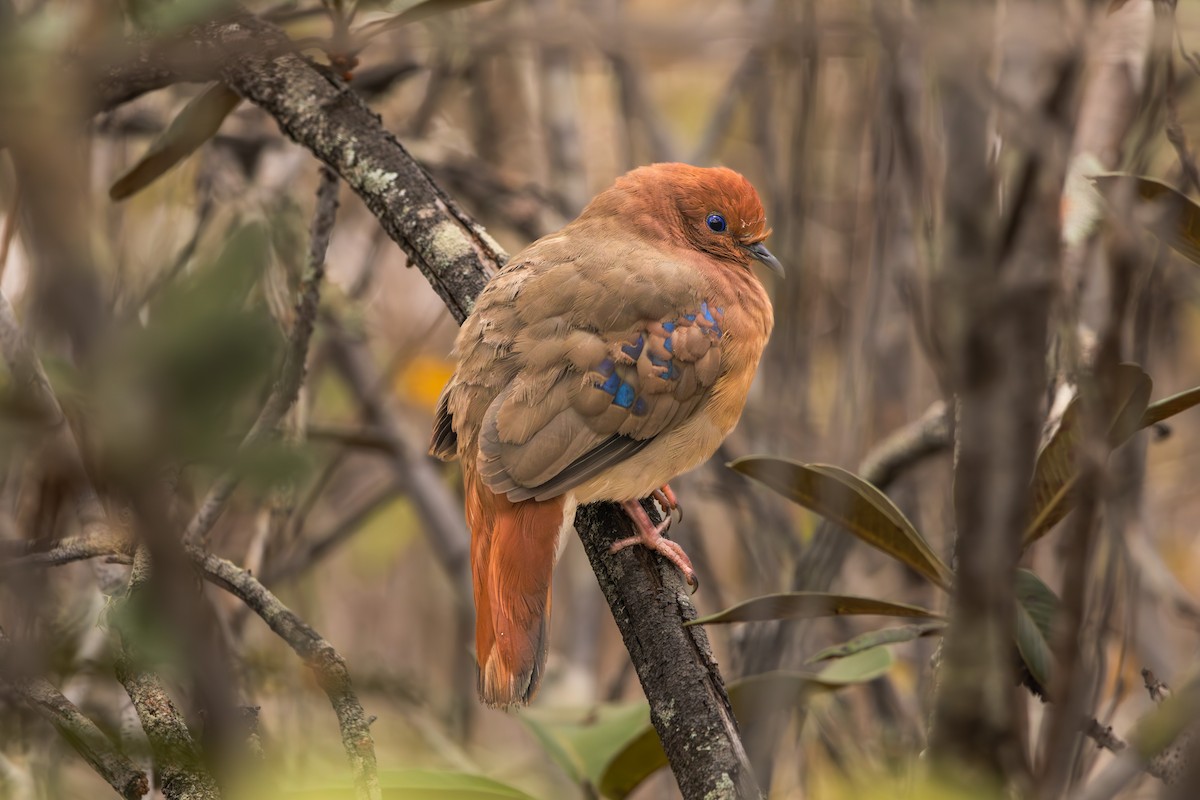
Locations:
(513, 550)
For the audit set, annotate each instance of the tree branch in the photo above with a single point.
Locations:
(176, 756)
(457, 257)
(321, 113)
(325, 662)
(79, 731)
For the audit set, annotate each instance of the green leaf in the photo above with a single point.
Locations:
(583, 742)
(1036, 607)
(1054, 474)
(1170, 406)
(810, 605)
(848, 500)
(198, 122)
(770, 692)
(865, 641)
(422, 784)
(1163, 210)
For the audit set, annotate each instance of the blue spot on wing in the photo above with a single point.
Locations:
(670, 348)
(639, 407)
(612, 384)
(659, 362)
(708, 317)
(690, 317)
(634, 350)
(606, 367)
(668, 326)
(625, 396)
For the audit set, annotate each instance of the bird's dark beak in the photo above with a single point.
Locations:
(761, 252)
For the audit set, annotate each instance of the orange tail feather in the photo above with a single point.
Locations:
(513, 549)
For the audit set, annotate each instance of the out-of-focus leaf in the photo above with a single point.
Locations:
(1170, 406)
(583, 742)
(1054, 475)
(848, 500)
(865, 641)
(198, 122)
(422, 784)
(177, 384)
(809, 605)
(770, 692)
(422, 9)
(1036, 607)
(1165, 211)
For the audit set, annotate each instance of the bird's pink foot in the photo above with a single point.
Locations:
(667, 501)
(651, 536)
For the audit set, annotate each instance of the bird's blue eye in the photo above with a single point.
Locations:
(716, 223)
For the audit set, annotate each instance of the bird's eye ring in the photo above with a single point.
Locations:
(716, 223)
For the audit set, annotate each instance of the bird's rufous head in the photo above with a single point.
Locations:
(712, 209)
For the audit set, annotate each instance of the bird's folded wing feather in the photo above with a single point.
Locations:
(568, 371)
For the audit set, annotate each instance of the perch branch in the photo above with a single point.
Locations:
(457, 257)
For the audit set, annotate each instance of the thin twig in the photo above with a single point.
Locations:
(328, 666)
(320, 546)
(291, 374)
(69, 550)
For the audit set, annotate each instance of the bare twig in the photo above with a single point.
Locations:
(325, 662)
(75, 548)
(79, 731)
(291, 373)
(318, 547)
(1103, 736)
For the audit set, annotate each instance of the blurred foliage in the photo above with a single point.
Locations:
(198, 270)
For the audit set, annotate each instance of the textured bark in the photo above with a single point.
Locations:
(326, 663)
(324, 115)
(688, 704)
(79, 732)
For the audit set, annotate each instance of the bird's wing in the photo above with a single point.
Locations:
(566, 373)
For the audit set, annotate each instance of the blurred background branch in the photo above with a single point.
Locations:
(963, 295)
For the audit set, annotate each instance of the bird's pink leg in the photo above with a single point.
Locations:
(651, 536)
(667, 500)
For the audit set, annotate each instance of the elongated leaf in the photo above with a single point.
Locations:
(810, 605)
(198, 122)
(865, 641)
(582, 742)
(1170, 406)
(1036, 607)
(1054, 475)
(420, 784)
(1165, 211)
(770, 692)
(414, 13)
(848, 500)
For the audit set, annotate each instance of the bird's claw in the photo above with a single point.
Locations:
(667, 501)
(651, 536)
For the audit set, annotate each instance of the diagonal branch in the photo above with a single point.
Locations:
(79, 731)
(457, 257)
(325, 662)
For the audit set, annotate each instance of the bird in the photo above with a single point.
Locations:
(600, 363)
